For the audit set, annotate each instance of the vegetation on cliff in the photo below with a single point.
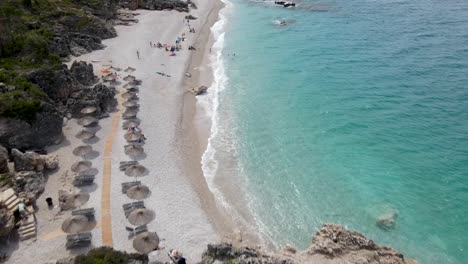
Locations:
(37, 34)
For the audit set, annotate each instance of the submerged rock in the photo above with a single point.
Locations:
(387, 221)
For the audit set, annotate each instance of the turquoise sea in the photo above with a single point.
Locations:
(353, 110)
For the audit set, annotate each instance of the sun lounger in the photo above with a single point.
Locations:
(88, 212)
(135, 231)
(83, 180)
(78, 240)
(124, 164)
(127, 185)
(129, 207)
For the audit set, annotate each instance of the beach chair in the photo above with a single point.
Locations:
(78, 240)
(127, 185)
(124, 164)
(135, 231)
(83, 180)
(88, 212)
(129, 207)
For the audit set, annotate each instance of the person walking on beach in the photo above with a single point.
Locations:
(138, 54)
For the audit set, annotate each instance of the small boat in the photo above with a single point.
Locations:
(280, 2)
(288, 4)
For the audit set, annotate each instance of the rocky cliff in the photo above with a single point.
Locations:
(332, 244)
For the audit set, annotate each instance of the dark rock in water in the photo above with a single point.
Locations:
(3, 160)
(387, 221)
(200, 90)
(83, 73)
(44, 130)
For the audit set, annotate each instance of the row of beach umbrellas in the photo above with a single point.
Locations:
(147, 241)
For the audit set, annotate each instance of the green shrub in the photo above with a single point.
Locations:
(107, 255)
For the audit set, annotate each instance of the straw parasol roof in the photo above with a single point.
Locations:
(130, 69)
(77, 223)
(141, 216)
(132, 136)
(89, 172)
(80, 166)
(129, 78)
(87, 121)
(131, 123)
(108, 77)
(146, 242)
(82, 150)
(85, 134)
(133, 150)
(135, 170)
(129, 95)
(88, 110)
(138, 192)
(74, 200)
(131, 104)
(130, 113)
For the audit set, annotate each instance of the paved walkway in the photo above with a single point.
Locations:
(106, 219)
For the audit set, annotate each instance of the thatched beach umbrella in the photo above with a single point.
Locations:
(77, 223)
(132, 136)
(131, 123)
(88, 121)
(146, 242)
(74, 200)
(129, 69)
(131, 104)
(129, 78)
(88, 110)
(129, 85)
(89, 172)
(108, 77)
(80, 166)
(138, 192)
(133, 150)
(129, 113)
(85, 134)
(141, 216)
(129, 95)
(82, 150)
(135, 170)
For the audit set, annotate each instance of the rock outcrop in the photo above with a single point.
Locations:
(333, 244)
(7, 222)
(27, 184)
(31, 161)
(3, 160)
(178, 5)
(44, 130)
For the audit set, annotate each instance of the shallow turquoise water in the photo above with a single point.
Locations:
(348, 114)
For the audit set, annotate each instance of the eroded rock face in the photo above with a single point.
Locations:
(3, 160)
(7, 222)
(178, 5)
(83, 73)
(28, 184)
(31, 161)
(335, 241)
(100, 96)
(45, 130)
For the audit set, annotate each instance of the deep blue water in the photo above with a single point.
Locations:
(348, 114)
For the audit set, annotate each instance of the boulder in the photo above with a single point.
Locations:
(31, 161)
(44, 130)
(28, 184)
(100, 96)
(387, 221)
(3, 160)
(200, 90)
(335, 241)
(7, 222)
(83, 72)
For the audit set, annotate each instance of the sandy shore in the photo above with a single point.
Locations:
(187, 217)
